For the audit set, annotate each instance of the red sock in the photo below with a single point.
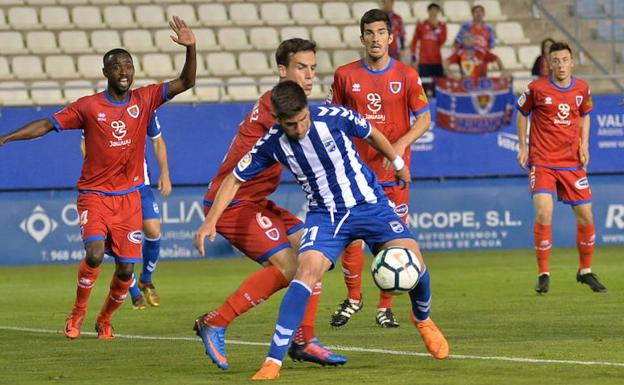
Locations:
(542, 236)
(254, 290)
(306, 331)
(585, 238)
(86, 280)
(385, 300)
(116, 296)
(352, 265)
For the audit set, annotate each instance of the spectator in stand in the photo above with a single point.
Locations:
(397, 45)
(482, 31)
(541, 68)
(429, 37)
(472, 59)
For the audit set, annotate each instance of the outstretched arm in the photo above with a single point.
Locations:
(382, 144)
(184, 36)
(31, 130)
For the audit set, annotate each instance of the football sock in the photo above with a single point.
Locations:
(542, 236)
(134, 288)
(352, 265)
(116, 296)
(87, 276)
(385, 300)
(151, 252)
(585, 238)
(289, 318)
(421, 297)
(309, 317)
(253, 291)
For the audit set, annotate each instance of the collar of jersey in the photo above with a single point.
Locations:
(111, 101)
(550, 79)
(390, 64)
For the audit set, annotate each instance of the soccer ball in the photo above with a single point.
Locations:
(396, 270)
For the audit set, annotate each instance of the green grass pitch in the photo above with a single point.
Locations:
(499, 330)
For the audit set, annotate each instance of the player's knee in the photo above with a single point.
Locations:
(124, 271)
(286, 262)
(94, 253)
(151, 228)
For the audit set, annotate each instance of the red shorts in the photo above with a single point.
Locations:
(571, 186)
(258, 229)
(114, 218)
(399, 195)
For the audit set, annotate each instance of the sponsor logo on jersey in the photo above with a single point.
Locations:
(374, 102)
(356, 87)
(395, 87)
(133, 110)
(579, 100)
(135, 236)
(397, 227)
(548, 100)
(101, 117)
(582, 184)
(119, 129)
(329, 144)
(401, 210)
(562, 115)
(244, 162)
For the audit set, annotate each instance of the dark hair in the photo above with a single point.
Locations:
(288, 99)
(544, 44)
(559, 46)
(289, 47)
(373, 15)
(108, 56)
(433, 5)
(475, 7)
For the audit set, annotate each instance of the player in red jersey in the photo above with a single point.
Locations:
(472, 59)
(398, 30)
(265, 232)
(483, 32)
(115, 126)
(557, 157)
(429, 37)
(385, 91)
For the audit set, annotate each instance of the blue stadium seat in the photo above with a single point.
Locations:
(589, 9)
(609, 31)
(614, 7)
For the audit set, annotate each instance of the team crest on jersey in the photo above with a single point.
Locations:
(395, 87)
(579, 100)
(133, 110)
(397, 227)
(244, 162)
(582, 184)
(329, 144)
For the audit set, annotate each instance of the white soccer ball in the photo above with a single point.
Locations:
(396, 270)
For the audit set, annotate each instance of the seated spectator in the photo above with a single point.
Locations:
(540, 67)
(429, 37)
(482, 31)
(398, 30)
(473, 60)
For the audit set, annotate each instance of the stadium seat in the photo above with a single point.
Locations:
(73, 2)
(14, 94)
(326, 85)
(46, 93)
(275, 14)
(3, 23)
(263, 38)
(359, 7)
(41, 42)
(178, 62)
(162, 39)
(185, 11)
(87, 17)
(617, 10)
(607, 31)
(23, 18)
(213, 15)
(291, 32)
(267, 83)
(142, 82)
(5, 70)
(74, 42)
(105, 40)
(105, 2)
(317, 91)
(492, 10)
(150, 16)
(590, 9)
(27, 67)
(351, 35)
(55, 18)
(337, 13)
(328, 35)
(409, 35)
(403, 9)
(40, 2)
(158, 65)
(90, 66)
(187, 96)
(344, 56)
(221, 63)
(244, 14)
(11, 42)
(419, 10)
(323, 63)
(511, 32)
(306, 14)
(508, 56)
(60, 67)
(242, 88)
(210, 90)
(206, 40)
(75, 89)
(138, 40)
(521, 80)
(254, 63)
(457, 10)
(527, 55)
(233, 38)
(119, 16)
(452, 29)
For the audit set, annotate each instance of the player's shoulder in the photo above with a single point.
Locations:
(345, 69)
(264, 101)
(539, 84)
(580, 83)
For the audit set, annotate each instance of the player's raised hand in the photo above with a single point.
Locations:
(206, 230)
(184, 34)
(403, 175)
(522, 157)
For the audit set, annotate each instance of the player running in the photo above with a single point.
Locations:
(265, 232)
(557, 157)
(109, 204)
(345, 202)
(385, 92)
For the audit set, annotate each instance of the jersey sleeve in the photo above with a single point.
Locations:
(156, 95)
(69, 118)
(587, 104)
(258, 159)
(416, 95)
(153, 128)
(460, 34)
(492, 41)
(355, 124)
(337, 90)
(525, 101)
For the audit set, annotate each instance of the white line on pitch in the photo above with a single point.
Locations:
(341, 348)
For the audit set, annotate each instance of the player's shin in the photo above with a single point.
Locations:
(542, 236)
(352, 265)
(151, 252)
(585, 239)
(306, 331)
(420, 297)
(116, 296)
(87, 276)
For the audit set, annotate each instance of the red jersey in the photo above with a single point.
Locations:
(430, 39)
(473, 62)
(482, 32)
(386, 99)
(555, 121)
(114, 135)
(398, 34)
(256, 124)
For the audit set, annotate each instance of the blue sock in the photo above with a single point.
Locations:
(421, 297)
(134, 288)
(151, 252)
(289, 318)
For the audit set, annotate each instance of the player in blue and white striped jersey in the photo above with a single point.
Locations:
(345, 203)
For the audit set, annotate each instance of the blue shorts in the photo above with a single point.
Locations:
(374, 223)
(149, 207)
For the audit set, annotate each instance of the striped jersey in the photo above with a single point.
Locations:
(324, 162)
